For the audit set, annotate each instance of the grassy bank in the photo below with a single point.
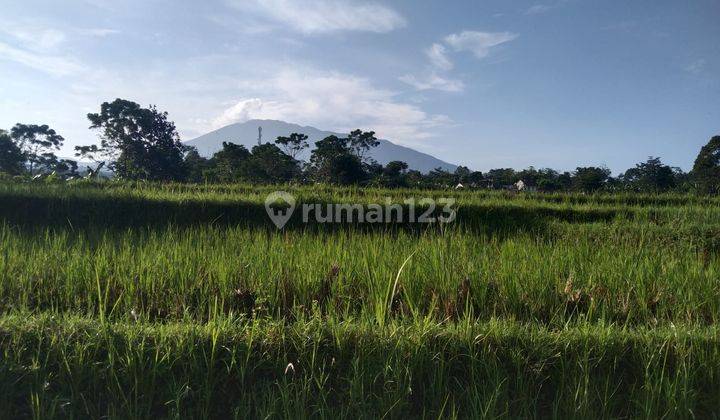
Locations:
(63, 366)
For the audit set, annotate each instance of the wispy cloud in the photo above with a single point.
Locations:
(538, 9)
(479, 43)
(307, 97)
(437, 53)
(433, 81)
(323, 16)
(50, 64)
(241, 24)
(42, 47)
(43, 36)
(98, 32)
(34, 37)
(696, 67)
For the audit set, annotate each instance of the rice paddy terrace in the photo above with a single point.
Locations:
(141, 300)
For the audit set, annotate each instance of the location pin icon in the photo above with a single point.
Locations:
(284, 207)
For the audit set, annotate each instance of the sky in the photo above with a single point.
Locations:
(486, 84)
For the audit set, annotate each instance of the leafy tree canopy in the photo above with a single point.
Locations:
(361, 142)
(38, 144)
(142, 142)
(651, 175)
(502, 177)
(706, 170)
(294, 144)
(11, 157)
(590, 179)
(197, 167)
(334, 162)
(229, 162)
(268, 164)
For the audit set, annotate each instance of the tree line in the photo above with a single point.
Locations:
(139, 143)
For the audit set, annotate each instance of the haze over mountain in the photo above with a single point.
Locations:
(247, 134)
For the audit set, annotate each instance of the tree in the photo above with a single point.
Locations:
(440, 178)
(545, 179)
(394, 174)
(142, 142)
(294, 144)
(374, 172)
(462, 175)
(345, 169)
(415, 178)
(530, 176)
(706, 170)
(396, 167)
(37, 143)
(565, 180)
(333, 162)
(268, 164)
(229, 162)
(500, 178)
(683, 181)
(93, 154)
(11, 157)
(196, 166)
(475, 178)
(361, 142)
(651, 175)
(590, 179)
(66, 168)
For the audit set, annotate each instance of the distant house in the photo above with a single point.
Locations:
(459, 186)
(522, 186)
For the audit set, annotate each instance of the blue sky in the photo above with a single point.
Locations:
(486, 84)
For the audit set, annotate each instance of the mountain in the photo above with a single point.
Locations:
(247, 134)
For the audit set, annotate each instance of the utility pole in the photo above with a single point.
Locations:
(259, 136)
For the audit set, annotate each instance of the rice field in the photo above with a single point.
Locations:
(142, 300)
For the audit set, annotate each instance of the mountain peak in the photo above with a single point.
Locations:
(246, 133)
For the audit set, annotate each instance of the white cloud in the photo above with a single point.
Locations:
(437, 53)
(243, 25)
(243, 110)
(333, 101)
(98, 32)
(538, 9)
(479, 43)
(433, 81)
(50, 64)
(322, 16)
(40, 47)
(696, 67)
(41, 37)
(107, 5)
(34, 38)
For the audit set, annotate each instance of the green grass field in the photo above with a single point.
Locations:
(176, 300)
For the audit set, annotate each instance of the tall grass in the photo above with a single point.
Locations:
(177, 273)
(66, 366)
(142, 300)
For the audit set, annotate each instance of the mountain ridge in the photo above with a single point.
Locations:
(246, 133)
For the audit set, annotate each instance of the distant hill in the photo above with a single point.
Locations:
(247, 134)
